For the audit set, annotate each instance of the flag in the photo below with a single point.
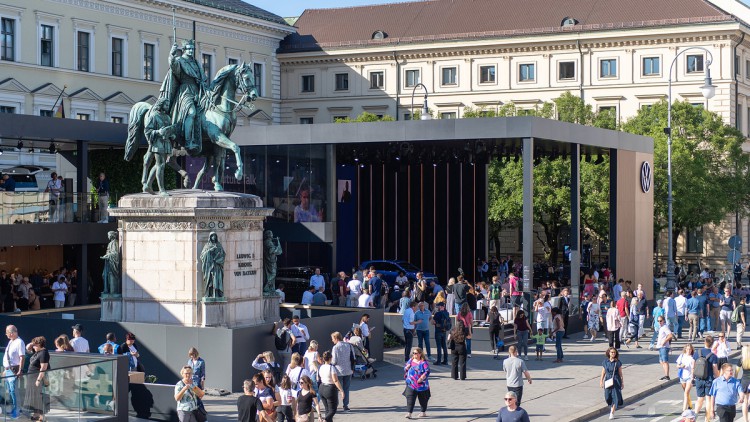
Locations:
(60, 112)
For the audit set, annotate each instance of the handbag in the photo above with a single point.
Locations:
(610, 382)
(200, 414)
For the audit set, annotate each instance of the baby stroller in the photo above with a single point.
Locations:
(363, 365)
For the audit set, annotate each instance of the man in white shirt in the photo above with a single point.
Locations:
(681, 302)
(355, 289)
(663, 343)
(365, 300)
(317, 280)
(301, 336)
(80, 344)
(60, 288)
(13, 359)
(307, 296)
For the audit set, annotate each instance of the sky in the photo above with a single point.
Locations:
(289, 8)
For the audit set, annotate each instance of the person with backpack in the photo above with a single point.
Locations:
(265, 362)
(284, 340)
(495, 292)
(443, 324)
(705, 370)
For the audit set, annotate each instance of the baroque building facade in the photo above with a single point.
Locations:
(483, 55)
(108, 55)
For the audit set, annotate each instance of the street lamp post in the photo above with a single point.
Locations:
(708, 90)
(425, 115)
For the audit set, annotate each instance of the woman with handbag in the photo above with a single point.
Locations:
(306, 401)
(330, 386)
(36, 402)
(612, 381)
(187, 394)
(457, 343)
(416, 372)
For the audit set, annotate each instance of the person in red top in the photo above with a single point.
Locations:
(516, 295)
(624, 308)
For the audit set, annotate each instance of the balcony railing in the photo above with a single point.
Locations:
(40, 207)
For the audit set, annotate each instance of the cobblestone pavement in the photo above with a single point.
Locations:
(559, 392)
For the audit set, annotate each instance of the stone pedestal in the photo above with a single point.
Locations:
(213, 313)
(271, 311)
(111, 307)
(162, 238)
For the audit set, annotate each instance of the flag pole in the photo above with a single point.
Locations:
(58, 99)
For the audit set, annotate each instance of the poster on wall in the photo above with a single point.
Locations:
(344, 191)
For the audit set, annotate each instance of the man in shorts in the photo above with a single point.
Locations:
(663, 343)
(702, 386)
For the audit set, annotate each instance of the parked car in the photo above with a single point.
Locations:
(296, 280)
(391, 268)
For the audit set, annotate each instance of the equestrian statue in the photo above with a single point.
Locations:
(191, 116)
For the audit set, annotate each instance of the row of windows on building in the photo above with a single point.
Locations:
(49, 113)
(84, 53)
(608, 68)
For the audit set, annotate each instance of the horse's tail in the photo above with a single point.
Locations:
(136, 136)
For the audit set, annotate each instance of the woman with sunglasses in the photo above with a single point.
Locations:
(721, 349)
(306, 401)
(416, 372)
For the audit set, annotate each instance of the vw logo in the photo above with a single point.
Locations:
(645, 177)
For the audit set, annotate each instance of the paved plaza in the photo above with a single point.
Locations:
(567, 392)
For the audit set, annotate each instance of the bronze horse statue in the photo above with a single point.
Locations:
(217, 113)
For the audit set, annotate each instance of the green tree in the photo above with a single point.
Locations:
(366, 117)
(551, 180)
(709, 170)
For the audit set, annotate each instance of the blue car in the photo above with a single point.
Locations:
(391, 268)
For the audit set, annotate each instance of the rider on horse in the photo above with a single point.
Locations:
(185, 87)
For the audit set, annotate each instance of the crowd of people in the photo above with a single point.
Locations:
(41, 289)
(297, 380)
(26, 368)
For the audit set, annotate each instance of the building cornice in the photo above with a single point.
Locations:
(297, 59)
(257, 31)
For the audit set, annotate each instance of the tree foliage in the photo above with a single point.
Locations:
(709, 170)
(366, 117)
(551, 178)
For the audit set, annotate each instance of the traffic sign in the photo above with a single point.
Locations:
(735, 242)
(734, 256)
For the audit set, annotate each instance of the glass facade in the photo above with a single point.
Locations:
(291, 179)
